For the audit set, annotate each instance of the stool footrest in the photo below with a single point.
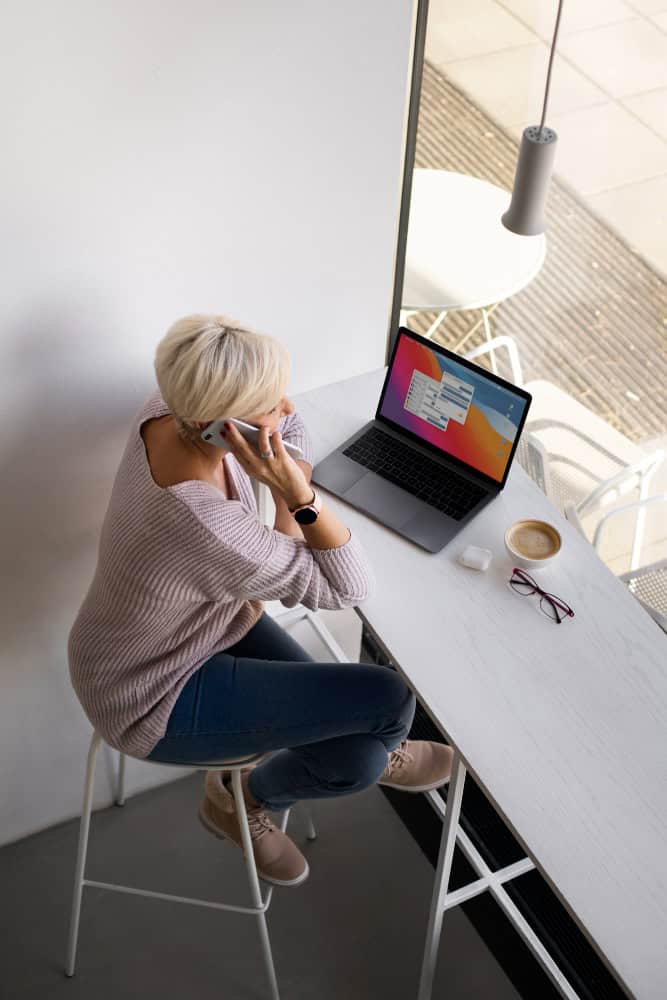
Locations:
(181, 899)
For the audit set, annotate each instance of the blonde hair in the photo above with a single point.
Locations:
(208, 367)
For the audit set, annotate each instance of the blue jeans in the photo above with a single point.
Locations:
(332, 724)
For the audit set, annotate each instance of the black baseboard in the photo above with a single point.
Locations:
(571, 951)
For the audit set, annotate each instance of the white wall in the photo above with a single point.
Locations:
(162, 157)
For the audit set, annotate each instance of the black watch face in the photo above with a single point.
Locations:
(307, 516)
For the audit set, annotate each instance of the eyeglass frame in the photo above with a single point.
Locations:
(557, 603)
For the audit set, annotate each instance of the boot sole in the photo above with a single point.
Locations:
(221, 835)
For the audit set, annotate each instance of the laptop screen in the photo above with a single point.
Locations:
(457, 407)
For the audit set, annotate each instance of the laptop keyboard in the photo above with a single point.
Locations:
(434, 484)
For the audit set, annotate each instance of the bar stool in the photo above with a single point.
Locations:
(286, 618)
(260, 905)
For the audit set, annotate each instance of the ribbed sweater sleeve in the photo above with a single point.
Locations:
(293, 430)
(251, 561)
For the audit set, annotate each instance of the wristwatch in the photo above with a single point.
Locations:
(307, 513)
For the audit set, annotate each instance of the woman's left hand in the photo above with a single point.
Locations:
(272, 465)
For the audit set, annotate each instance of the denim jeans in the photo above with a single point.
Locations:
(331, 724)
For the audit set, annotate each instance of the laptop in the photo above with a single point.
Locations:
(439, 449)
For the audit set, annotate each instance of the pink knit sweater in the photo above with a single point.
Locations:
(181, 574)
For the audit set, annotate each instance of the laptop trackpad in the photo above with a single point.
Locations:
(338, 473)
(392, 505)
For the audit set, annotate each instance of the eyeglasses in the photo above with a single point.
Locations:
(552, 606)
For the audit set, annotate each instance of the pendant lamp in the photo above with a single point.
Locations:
(525, 215)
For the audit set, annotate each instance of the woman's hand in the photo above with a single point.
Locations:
(279, 471)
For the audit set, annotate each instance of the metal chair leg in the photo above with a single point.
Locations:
(405, 314)
(482, 321)
(435, 324)
(120, 787)
(311, 832)
(489, 338)
(254, 880)
(81, 853)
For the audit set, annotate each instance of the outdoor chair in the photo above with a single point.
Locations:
(648, 583)
(583, 464)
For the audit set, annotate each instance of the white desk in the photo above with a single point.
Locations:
(563, 726)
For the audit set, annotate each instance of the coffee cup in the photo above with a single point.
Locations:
(532, 544)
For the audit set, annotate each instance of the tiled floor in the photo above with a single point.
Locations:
(632, 155)
(577, 16)
(608, 101)
(651, 109)
(624, 59)
(507, 83)
(626, 207)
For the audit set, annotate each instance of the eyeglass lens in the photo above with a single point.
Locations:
(550, 605)
(550, 609)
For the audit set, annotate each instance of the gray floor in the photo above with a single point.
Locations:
(355, 929)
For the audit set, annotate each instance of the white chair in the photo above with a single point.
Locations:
(259, 904)
(649, 586)
(592, 466)
(647, 583)
(583, 464)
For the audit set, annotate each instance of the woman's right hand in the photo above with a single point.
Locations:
(279, 472)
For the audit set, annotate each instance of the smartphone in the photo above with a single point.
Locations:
(214, 435)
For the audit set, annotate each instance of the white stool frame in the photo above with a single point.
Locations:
(260, 904)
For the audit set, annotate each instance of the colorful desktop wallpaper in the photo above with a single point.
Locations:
(452, 407)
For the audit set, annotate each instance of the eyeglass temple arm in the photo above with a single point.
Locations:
(553, 598)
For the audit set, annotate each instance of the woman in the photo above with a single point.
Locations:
(171, 654)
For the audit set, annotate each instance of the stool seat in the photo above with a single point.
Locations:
(219, 764)
(229, 762)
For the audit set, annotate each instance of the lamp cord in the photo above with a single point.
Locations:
(551, 61)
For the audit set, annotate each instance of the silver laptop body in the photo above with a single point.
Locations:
(391, 504)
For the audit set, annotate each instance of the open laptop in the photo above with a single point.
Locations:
(440, 446)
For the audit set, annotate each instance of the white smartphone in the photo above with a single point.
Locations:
(213, 434)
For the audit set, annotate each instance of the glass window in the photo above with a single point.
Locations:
(589, 320)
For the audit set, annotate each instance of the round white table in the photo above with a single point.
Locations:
(459, 255)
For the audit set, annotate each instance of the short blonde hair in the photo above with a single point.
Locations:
(208, 367)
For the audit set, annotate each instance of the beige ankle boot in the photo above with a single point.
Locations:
(418, 766)
(277, 857)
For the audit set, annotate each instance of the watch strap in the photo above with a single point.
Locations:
(315, 503)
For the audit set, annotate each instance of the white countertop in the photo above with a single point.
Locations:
(564, 726)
